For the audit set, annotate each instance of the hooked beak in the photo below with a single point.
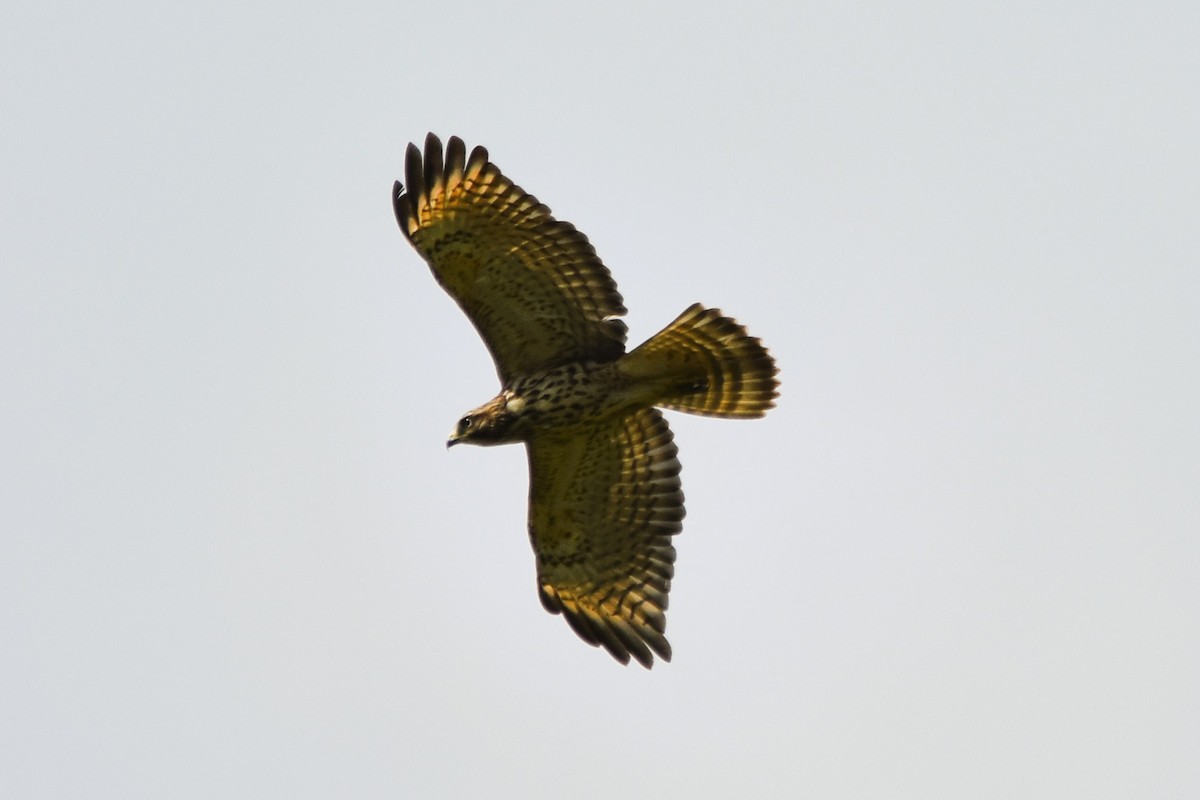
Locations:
(450, 443)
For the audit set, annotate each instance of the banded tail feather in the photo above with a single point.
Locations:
(706, 363)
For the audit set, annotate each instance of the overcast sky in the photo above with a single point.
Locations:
(959, 560)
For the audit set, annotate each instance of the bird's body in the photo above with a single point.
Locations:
(549, 400)
(605, 496)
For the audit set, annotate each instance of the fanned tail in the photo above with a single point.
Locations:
(705, 363)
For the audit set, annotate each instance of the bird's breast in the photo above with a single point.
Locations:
(568, 395)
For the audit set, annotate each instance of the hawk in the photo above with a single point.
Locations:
(604, 491)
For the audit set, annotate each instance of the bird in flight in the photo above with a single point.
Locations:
(604, 491)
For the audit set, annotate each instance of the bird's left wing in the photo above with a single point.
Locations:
(532, 285)
(604, 502)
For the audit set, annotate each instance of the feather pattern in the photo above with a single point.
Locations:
(532, 285)
(605, 500)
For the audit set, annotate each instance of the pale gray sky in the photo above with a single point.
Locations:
(960, 559)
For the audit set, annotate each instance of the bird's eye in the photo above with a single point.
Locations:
(463, 425)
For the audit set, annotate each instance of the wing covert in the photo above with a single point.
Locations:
(532, 285)
(604, 502)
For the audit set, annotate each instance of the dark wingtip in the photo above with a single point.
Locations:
(412, 153)
(413, 173)
(399, 201)
(433, 164)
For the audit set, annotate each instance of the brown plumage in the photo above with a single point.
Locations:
(604, 496)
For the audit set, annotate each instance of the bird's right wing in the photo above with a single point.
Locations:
(604, 502)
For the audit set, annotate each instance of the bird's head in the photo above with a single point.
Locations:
(491, 423)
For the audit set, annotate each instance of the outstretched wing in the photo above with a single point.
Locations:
(604, 501)
(533, 286)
